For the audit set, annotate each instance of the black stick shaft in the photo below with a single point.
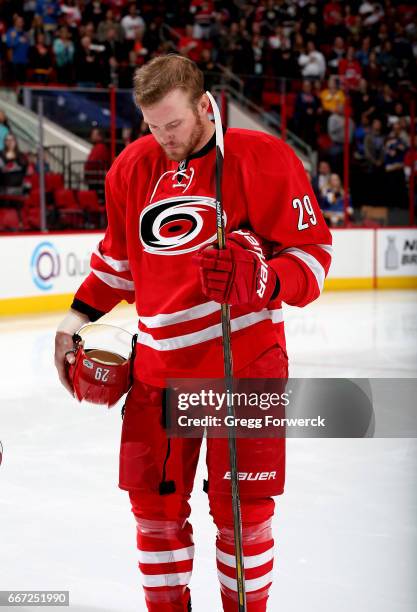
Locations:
(228, 371)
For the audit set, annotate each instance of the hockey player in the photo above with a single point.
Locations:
(158, 252)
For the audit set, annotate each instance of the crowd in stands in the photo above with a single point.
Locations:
(334, 61)
(80, 206)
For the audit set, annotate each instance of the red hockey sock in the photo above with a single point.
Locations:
(166, 553)
(258, 552)
(166, 550)
(178, 599)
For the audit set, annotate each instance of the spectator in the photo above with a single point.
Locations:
(312, 33)
(94, 12)
(4, 129)
(33, 168)
(189, 46)
(350, 19)
(332, 97)
(336, 131)
(17, 40)
(126, 137)
(28, 10)
(306, 109)
(355, 29)
(117, 6)
(87, 65)
(388, 62)
(152, 38)
(405, 135)
(312, 62)
(278, 40)
(254, 66)
(115, 55)
(374, 167)
(311, 11)
(40, 60)
(332, 13)
(72, 14)
(361, 131)
(372, 72)
(203, 12)
(372, 13)
(109, 22)
(38, 28)
(49, 10)
(209, 68)
(401, 43)
(397, 115)
(333, 201)
(363, 54)
(139, 52)
(374, 146)
(382, 35)
(335, 25)
(13, 165)
(286, 65)
(64, 51)
(363, 101)
(394, 153)
(350, 70)
(98, 162)
(337, 53)
(385, 102)
(320, 182)
(132, 22)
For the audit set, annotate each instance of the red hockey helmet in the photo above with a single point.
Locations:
(99, 375)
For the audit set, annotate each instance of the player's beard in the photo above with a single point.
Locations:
(186, 148)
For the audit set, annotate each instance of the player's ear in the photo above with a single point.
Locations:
(203, 104)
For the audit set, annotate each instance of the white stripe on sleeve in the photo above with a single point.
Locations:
(311, 262)
(118, 265)
(326, 247)
(114, 281)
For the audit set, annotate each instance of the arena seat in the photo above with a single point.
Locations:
(9, 220)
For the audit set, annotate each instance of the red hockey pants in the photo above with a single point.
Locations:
(164, 535)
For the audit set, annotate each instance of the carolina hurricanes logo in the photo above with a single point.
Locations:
(178, 225)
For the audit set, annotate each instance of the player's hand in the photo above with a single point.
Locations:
(239, 274)
(64, 355)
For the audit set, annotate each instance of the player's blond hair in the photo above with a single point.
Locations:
(163, 74)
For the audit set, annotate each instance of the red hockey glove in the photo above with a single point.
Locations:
(239, 274)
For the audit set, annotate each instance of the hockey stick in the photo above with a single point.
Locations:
(228, 368)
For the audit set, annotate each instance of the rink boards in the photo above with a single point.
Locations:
(41, 272)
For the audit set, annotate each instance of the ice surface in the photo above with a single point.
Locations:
(345, 529)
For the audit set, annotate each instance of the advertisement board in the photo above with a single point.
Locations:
(39, 270)
(397, 252)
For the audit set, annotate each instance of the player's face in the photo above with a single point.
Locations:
(178, 127)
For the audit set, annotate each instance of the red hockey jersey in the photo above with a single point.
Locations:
(161, 212)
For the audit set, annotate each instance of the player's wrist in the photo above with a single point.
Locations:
(72, 322)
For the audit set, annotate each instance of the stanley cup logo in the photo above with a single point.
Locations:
(391, 255)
